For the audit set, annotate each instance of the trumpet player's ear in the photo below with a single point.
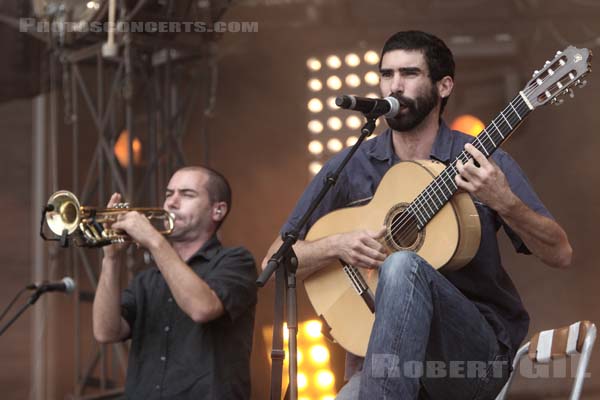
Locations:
(219, 211)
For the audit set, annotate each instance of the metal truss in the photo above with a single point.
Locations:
(150, 90)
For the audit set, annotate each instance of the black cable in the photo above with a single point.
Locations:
(28, 287)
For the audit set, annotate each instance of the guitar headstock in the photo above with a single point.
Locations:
(559, 76)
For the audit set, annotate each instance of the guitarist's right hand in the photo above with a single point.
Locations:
(361, 248)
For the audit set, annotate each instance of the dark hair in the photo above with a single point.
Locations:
(217, 186)
(438, 56)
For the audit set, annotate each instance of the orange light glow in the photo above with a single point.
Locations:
(122, 153)
(468, 124)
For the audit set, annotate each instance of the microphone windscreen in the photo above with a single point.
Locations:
(343, 101)
(69, 284)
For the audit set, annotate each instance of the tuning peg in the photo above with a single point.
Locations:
(546, 63)
(535, 73)
(557, 102)
(581, 83)
(571, 93)
(558, 53)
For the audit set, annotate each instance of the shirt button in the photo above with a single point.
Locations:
(167, 328)
(170, 299)
(163, 358)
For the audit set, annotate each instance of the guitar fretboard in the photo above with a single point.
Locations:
(443, 187)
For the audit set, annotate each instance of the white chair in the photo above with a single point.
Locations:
(545, 346)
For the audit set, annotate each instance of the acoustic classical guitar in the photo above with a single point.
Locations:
(419, 204)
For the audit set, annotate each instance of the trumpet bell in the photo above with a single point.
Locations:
(92, 225)
(64, 212)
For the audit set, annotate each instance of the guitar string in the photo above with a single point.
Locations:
(436, 187)
(410, 218)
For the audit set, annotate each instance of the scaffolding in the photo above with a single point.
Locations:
(148, 91)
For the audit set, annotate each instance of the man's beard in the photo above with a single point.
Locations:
(417, 110)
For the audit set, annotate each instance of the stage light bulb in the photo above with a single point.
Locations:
(315, 126)
(314, 147)
(351, 141)
(315, 85)
(352, 80)
(319, 354)
(314, 167)
(302, 381)
(334, 123)
(313, 64)
(353, 122)
(334, 82)
(331, 103)
(371, 78)
(315, 105)
(352, 60)
(334, 145)
(371, 57)
(324, 379)
(333, 62)
(313, 329)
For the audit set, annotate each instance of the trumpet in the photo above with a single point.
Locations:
(66, 217)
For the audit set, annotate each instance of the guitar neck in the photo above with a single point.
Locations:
(443, 187)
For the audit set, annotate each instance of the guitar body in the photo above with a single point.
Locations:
(449, 240)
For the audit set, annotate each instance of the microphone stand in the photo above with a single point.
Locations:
(32, 299)
(285, 263)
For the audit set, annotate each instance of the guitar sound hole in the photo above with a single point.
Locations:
(404, 230)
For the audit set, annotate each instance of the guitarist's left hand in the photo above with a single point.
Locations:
(486, 181)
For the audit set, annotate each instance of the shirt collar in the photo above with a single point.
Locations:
(209, 249)
(442, 145)
(383, 149)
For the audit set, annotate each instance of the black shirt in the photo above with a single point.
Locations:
(171, 356)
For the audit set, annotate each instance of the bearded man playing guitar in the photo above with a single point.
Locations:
(448, 334)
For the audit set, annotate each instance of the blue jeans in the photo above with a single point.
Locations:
(428, 340)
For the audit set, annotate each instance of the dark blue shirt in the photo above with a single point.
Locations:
(173, 357)
(483, 280)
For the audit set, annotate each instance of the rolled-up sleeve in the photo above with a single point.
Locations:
(234, 281)
(521, 187)
(128, 301)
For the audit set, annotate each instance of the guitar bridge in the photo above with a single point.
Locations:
(358, 283)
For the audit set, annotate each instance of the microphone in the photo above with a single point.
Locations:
(387, 107)
(67, 285)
